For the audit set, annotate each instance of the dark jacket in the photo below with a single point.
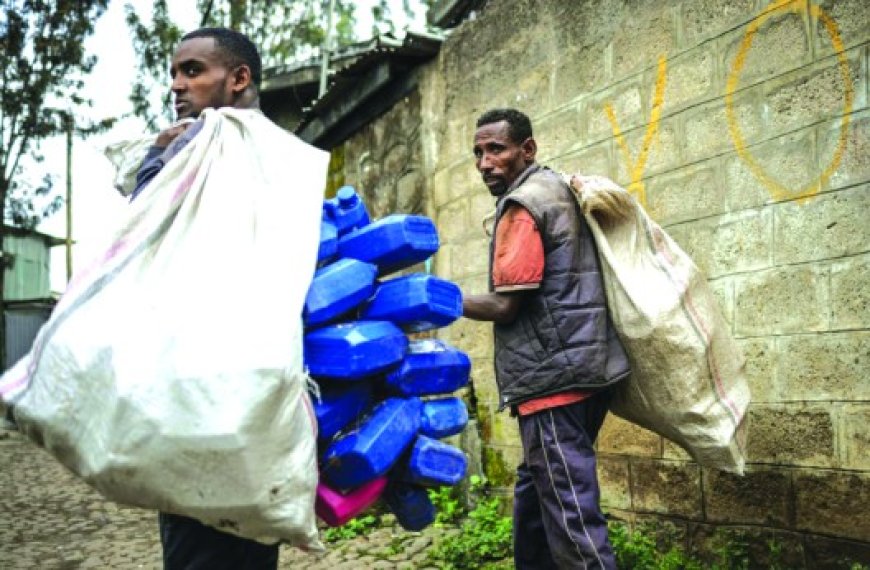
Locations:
(562, 338)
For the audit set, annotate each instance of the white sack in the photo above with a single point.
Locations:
(170, 375)
(687, 373)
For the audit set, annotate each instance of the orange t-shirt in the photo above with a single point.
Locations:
(518, 265)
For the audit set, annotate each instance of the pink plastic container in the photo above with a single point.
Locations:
(335, 508)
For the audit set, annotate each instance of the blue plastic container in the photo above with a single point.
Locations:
(347, 210)
(432, 463)
(350, 351)
(392, 243)
(429, 367)
(443, 418)
(374, 445)
(411, 505)
(338, 288)
(339, 405)
(416, 302)
(328, 240)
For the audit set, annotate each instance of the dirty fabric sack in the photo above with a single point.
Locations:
(170, 375)
(687, 381)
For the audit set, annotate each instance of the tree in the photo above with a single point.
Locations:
(42, 62)
(284, 30)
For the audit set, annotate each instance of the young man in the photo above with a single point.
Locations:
(212, 67)
(556, 352)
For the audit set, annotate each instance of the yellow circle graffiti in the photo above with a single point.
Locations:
(778, 191)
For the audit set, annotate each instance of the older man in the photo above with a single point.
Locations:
(556, 352)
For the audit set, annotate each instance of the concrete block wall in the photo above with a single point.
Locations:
(744, 128)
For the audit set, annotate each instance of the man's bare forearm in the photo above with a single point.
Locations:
(499, 308)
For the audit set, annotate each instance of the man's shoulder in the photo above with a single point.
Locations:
(544, 184)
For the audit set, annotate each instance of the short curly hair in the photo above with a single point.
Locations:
(519, 125)
(237, 49)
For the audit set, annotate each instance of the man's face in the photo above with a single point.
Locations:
(499, 159)
(200, 78)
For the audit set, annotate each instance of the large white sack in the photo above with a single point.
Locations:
(687, 378)
(170, 374)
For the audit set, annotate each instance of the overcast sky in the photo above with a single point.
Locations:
(96, 206)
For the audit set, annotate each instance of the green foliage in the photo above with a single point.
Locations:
(354, 528)
(485, 537)
(42, 62)
(448, 505)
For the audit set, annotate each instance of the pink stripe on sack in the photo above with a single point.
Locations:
(660, 247)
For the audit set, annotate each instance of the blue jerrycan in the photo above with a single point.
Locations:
(432, 463)
(339, 405)
(328, 239)
(430, 367)
(392, 243)
(373, 445)
(336, 289)
(411, 505)
(443, 417)
(354, 350)
(347, 210)
(416, 302)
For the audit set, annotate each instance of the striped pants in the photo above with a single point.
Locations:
(558, 522)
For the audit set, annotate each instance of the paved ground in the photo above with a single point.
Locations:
(51, 520)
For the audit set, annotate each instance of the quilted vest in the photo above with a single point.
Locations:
(562, 338)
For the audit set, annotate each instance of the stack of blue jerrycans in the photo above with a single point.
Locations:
(385, 401)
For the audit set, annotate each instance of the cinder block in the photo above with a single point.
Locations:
(628, 108)
(854, 164)
(782, 300)
(618, 436)
(856, 435)
(471, 258)
(823, 226)
(559, 133)
(818, 92)
(646, 31)
(706, 129)
(580, 70)
(613, 479)
(687, 194)
(690, 78)
(761, 496)
(832, 503)
(695, 238)
(761, 359)
(787, 165)
(779, 45)
(595, 159)
(474, 337)
(671, 450)
(723, 291)
(482, 207)
(853, 24)
(465, 181)
(827, 552)
(791, 435)
(663, 153)
(453, 224)
(743, 188)
(442, 263)
(850, 292)
(666, 487)
(704, 19)
(824, 367)
(741, 242)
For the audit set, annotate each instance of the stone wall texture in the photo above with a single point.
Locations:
(744, 128)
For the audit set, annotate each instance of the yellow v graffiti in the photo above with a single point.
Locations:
(636, 168)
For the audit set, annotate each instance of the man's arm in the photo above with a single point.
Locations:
(157, 157)
(500, 308)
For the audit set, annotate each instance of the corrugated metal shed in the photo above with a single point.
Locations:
(28, 274)
(23, 321)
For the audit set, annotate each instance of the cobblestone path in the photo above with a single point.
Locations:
(51, 520)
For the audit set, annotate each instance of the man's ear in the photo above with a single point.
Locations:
(241, 77)
(530, 149)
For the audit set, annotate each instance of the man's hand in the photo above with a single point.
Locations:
(168, 135)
